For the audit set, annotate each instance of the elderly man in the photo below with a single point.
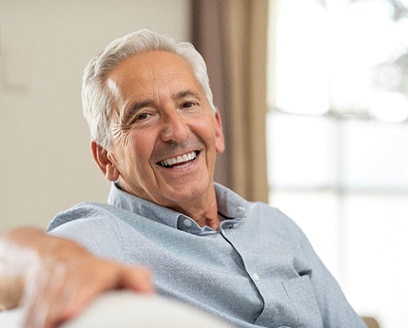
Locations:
(155, 135)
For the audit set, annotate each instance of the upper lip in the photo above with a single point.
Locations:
(179, 159)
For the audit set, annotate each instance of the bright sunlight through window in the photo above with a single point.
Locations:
(337, 136)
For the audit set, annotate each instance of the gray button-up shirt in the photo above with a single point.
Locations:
(257, 270)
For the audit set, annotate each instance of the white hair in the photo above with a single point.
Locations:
(98, 101)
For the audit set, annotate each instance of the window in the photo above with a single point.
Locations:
(337, 136)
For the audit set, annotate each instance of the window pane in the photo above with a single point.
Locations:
(375, 156)
(368, 71)
(324, 64)
(302, 71)
(301, 151)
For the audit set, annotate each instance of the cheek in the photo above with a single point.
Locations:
(138, 150)
(207, 131)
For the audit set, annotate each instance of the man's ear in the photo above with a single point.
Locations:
(101, 157)
(219, 134)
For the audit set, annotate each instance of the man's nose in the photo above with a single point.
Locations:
(175, 128)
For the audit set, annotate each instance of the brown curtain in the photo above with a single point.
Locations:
(232, 37)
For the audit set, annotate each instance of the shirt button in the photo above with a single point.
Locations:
(187, 223)
(256, 277)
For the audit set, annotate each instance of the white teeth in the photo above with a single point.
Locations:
(179, 159)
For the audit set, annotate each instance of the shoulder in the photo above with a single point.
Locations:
(271, 216)
(82, 211)
(94, 226)
(273, 226)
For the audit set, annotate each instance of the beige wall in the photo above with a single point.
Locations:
(45, 163)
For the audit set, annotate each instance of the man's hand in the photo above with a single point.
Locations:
(60, 277)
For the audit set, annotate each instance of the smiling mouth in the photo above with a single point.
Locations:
(179, 160)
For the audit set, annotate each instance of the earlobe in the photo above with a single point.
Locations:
(102, 158)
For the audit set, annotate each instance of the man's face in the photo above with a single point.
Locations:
(165, 136)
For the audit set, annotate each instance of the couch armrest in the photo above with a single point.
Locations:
(127, 309)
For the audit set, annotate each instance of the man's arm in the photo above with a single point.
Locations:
(58, 277)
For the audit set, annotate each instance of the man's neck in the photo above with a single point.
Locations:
(204, 212)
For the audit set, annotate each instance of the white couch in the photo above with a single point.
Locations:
(125, 309)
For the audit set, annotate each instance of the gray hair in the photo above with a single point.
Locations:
(98, 101)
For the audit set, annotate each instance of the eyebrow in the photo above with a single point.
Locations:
(187, 93)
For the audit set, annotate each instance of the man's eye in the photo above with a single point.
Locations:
(142, 116)
(188, 104)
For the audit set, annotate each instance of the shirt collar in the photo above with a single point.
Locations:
(230, 206)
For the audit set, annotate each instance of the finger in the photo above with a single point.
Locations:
(111, 276)
(47, 294)
(61, 294)
(137, 278)
(34, 307)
